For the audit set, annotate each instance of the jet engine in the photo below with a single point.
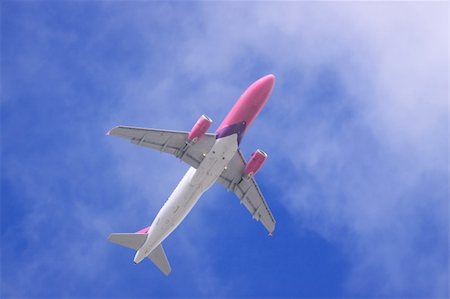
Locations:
(201, 126)
(256, 161)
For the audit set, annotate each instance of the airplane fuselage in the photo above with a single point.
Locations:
(194, 183)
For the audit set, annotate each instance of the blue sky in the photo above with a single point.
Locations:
(356, 131)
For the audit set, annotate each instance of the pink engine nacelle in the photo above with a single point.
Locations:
(201, 126)
(256, 161)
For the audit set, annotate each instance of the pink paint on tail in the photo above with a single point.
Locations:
(143, 231)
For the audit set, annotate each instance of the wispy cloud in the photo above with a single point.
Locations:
(356, 131)
(361, 117)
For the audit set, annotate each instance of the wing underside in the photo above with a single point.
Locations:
(247, 191)
(167, 141)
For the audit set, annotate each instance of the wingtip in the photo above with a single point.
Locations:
(111, 131)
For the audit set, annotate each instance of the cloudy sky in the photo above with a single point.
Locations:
(356, 131)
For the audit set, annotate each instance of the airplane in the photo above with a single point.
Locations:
(212, 158)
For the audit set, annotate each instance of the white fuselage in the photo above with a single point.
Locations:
(194, 183)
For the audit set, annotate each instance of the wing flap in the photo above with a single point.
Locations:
(168, 141)
(247, 191)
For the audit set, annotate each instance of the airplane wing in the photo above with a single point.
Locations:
(166, 141)
(247, 191)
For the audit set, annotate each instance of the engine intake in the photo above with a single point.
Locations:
(201, 126)
(256, 161)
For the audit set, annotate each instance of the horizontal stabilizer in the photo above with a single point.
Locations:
(133, 241)
(159, 258)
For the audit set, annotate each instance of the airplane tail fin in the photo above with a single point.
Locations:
(135, 241)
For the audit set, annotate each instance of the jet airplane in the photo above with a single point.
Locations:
(212, 158)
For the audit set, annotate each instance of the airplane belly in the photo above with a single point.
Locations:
(194, 183)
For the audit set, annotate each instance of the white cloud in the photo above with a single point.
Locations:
(366, 160)
(378, 151)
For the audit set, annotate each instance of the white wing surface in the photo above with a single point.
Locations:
(247, 191)
(159, 258)
(171, 142)
(130, 240)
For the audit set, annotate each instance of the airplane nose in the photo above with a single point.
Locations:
(248, 105)
(269, 80)
(264, 87)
